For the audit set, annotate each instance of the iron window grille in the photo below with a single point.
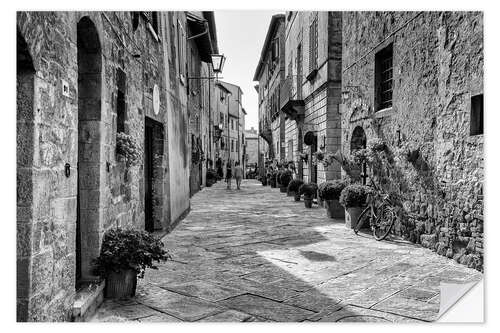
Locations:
(384, 77)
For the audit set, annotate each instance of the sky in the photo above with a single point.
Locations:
(240, 37)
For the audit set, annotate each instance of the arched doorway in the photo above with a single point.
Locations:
(25, 95)
(358, 141)
(89, 138)
(311, 139)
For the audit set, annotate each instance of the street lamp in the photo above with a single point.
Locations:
(218, 61)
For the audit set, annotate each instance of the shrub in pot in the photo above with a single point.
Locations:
(353, 198)
(293, 188)
(273, 179)
(329, 192)
(211, 177)
(320, 189)
(125, 255)
(309, 191)
(285, 178)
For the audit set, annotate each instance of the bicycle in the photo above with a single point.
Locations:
(380, 212)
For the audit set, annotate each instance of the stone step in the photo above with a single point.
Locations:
(87, 300)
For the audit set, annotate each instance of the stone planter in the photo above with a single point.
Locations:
(308, 201)
(121, 285)
(334, 209)
(283, 189)
(351, 216)
(296, 196)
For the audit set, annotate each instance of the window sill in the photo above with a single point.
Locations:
(384, 112)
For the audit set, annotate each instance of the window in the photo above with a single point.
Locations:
(120, 101)
(276, 49)
(476, 115)
(383, 78)
(181, 42)
(135, 20)
(232, 145)
(155, 22)
(313, 44)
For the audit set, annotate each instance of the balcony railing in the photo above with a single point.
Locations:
(291, 102)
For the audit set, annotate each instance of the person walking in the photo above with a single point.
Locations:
(229, 174)
(238, 174)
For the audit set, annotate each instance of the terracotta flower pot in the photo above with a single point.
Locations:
(308, 202)
(351, 216)
(121, 284)
(334, 209)
(290, 193)
(296, 196)
(283, 189)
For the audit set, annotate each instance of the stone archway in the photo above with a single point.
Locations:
(25, 98)
(89, 148)
(358, 141)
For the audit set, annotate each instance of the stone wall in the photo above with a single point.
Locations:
(178, 120)
(437, 68)
(62, 121)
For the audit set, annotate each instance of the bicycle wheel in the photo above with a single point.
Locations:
(363, 218)
(384, 222)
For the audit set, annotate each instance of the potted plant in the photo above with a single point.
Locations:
(330, 194)
(285, 178)
(125, 255)
(278, 175)
(309, 191)
(272, 179)
(293, 188)
(320, 189)
(211, 177)
(353, 198)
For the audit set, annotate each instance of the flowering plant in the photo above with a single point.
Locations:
(376, 144)
(128, 147)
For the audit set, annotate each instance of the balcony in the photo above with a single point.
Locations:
(291, 102)
(265, 130)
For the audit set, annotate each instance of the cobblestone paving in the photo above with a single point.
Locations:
(256, 255)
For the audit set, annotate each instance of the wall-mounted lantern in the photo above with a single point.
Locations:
(218, 61)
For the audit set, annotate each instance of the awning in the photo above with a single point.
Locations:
(199, 27)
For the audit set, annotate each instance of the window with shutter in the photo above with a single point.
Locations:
(181, 42)
(313, 45)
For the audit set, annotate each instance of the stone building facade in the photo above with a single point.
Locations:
(415, 80)
(235, 117)
(85, 79)
(201, 87)
(311, 90)
(270, 73)
(252, 146)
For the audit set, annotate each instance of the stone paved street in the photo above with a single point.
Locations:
(256, 255)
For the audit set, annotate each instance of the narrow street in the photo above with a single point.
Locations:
(256, 255)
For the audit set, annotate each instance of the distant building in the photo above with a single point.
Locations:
(270, 73)
(311, 93)
(252, 146)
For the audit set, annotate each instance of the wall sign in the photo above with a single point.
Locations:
(156, 99)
